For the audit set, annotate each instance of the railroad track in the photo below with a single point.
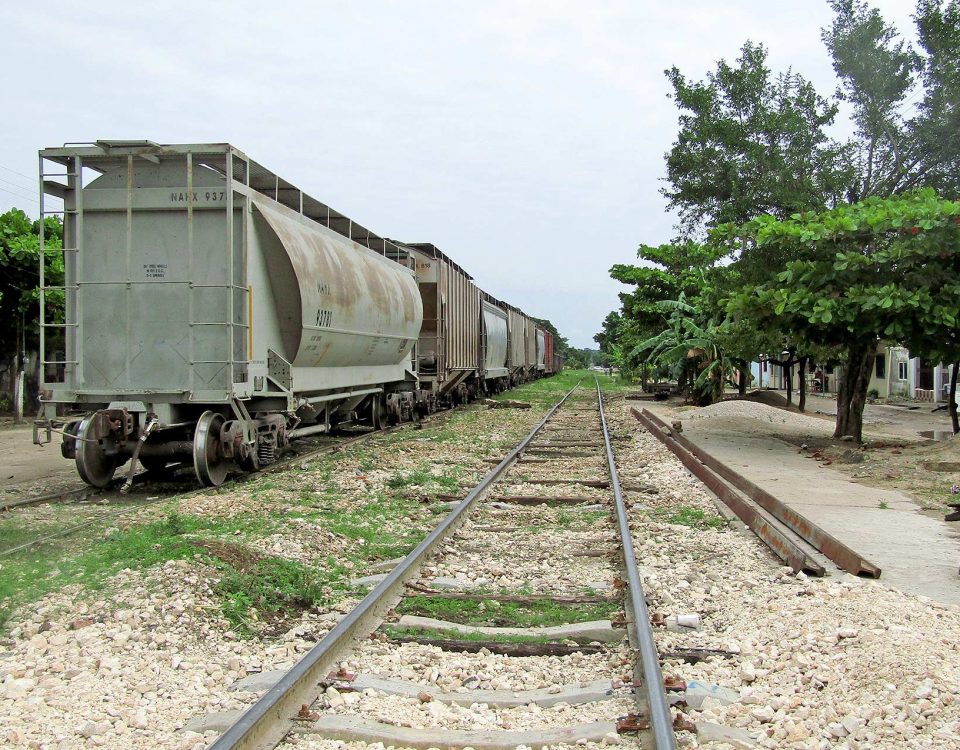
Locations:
(529, 556)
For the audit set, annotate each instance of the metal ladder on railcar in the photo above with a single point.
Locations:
(72, 231)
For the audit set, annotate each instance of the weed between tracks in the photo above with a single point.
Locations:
(501, 614)
(285, 542)
(695, 518)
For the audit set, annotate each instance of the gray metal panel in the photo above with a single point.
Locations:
(495, 338)
(136, 283)
(529, 342)
(515, 321)
(541, 348)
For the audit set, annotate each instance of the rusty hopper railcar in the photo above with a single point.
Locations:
(213, 311)
(548, 363)
(462, 349)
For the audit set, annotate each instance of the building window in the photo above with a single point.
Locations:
(881, 365)
(902, 370)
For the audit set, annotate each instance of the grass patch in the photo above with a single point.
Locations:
(37, 572)
(272, 587)
(505, 614)
(695, 518)
(247, 578)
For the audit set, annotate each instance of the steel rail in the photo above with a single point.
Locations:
(641, 632)
(264, 725)
(785, 543)
(845, 557)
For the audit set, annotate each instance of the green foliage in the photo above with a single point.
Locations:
(271, 586)
(695, 518)
(689, 346)
(20, 277)
(504, 614)
(884, 268)
(751, 142)
(839, 249)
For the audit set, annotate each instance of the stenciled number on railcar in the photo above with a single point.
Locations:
(182, 196)
(324, 318)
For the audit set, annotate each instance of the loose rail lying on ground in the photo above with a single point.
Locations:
(712, 472)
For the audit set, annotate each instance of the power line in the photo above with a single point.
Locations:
(24, 188)
(16, 172)
(19, 195)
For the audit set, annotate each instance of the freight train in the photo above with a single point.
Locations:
(214, 311)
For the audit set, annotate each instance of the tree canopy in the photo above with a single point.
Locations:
(788, 238)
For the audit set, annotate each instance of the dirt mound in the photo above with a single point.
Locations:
(770, 398)
(762, 413)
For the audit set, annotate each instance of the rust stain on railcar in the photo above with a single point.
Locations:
(347, 292)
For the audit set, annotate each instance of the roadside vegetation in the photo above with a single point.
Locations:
(797, 245)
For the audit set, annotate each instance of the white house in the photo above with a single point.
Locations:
(895, 375)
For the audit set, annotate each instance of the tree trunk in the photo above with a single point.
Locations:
(954, 419)
(744, 376)
(852, 394)
(788, 377)
(802, 385)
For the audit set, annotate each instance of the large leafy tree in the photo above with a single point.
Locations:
(20, 279)
(898, 147)
(881, 269)
(751, 142)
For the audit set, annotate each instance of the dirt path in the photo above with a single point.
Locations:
(23, 466)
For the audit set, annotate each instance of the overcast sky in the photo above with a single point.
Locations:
(524, 139)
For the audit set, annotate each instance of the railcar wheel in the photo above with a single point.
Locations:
(93, 465)
(208, 460)
(376, 413)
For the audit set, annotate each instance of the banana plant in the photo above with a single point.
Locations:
(689, 346)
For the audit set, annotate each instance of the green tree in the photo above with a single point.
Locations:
(882, 269)
(20, 279)
(751, 142)
(689, 346)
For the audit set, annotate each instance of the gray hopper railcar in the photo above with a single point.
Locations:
(213, 312)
